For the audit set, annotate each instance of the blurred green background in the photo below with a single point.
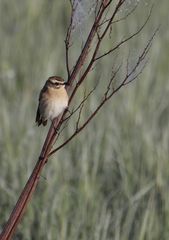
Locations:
(112, 180)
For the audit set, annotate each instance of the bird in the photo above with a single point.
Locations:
(53, 100)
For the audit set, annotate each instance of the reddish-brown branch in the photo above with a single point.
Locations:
(30, 186)
(125, 40)
(81, 103)
(67, 42)
(46, 151)
(22, 202)
(108, 97)
(122, 18)
(100, 38)
(87, 45)
(28, 190)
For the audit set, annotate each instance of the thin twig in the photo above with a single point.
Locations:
(81, 103)
(108, 97)
(125, 40)
(122, 18)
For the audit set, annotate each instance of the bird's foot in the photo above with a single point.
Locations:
(55, 128)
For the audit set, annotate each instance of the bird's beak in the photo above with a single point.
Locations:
(66, 83)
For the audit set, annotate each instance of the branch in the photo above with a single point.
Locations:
(108, 97)
(122, 18)
(125, 40)
(100, 38)
(87, 45)
(47, 151)
(79, 106)
(67, 40)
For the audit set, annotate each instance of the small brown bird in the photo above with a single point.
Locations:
(53, 100)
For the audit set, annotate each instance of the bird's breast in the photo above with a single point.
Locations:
(53, 103)
(57, 102)
(56, 107)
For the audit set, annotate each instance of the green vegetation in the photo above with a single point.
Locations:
(111, 181)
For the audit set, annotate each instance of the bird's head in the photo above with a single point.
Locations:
(55, 82)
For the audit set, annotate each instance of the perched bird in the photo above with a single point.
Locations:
(53, 100)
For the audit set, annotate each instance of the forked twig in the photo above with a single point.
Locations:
(107, 95)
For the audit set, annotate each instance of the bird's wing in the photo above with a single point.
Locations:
(38, 115)
(38, 118)
(42, 91)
